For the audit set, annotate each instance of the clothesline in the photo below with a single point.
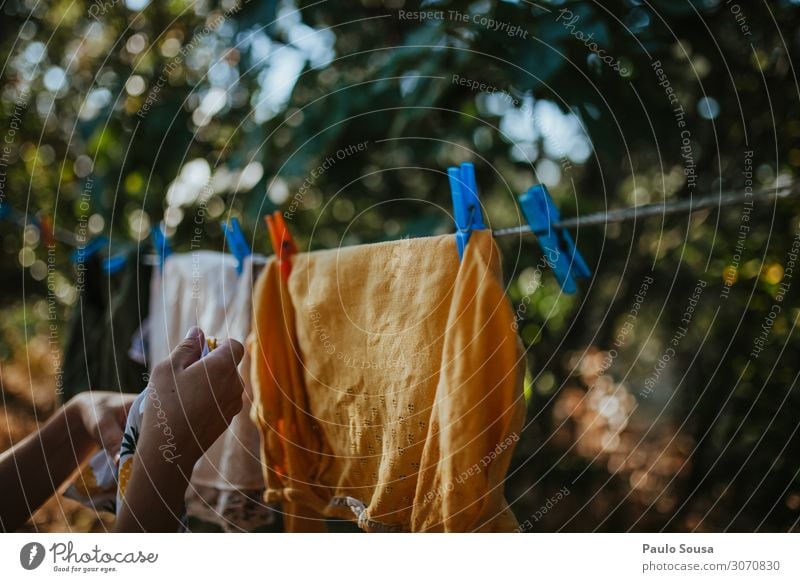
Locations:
(22, 219)
(659, 209)
(689, 206)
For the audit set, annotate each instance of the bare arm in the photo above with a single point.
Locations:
(192, 403)
(32, 470)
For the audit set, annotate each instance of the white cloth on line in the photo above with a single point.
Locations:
(203, 288)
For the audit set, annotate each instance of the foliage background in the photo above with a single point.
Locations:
(253, 97)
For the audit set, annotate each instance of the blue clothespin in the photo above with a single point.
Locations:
(466, 205)
(160, 244)
(113, 264)
(85, 252)
(237, 243)
(559, 249)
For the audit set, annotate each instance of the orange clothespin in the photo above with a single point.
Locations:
(46, 230)
(282, 242)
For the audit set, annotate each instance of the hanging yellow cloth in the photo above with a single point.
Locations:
(388, 386)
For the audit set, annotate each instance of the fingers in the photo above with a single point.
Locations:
(235, 348)
(189, 350)
(221, 367)
(110, 435)
(226, 358)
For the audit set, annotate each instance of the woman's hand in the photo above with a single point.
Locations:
(103, 415)
(45, 459)
(191, 402)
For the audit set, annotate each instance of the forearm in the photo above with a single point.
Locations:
(177, 427)
(31, 471)
(154, 500)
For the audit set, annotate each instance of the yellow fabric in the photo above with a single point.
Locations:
(388, 385)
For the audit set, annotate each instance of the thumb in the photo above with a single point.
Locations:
(189, 350)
